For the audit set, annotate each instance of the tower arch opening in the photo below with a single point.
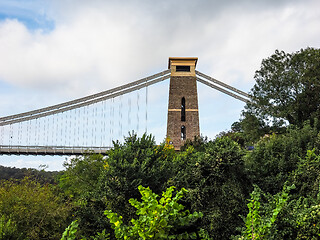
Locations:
(183, 133)
(183, 109)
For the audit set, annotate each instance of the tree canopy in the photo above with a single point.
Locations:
(287, 87)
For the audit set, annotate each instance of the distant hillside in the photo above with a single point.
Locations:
(20, 173)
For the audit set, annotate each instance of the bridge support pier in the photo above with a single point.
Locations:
(183, 115)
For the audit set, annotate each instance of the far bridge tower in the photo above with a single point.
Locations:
(183, 115)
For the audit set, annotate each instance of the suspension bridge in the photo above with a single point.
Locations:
(93, 122)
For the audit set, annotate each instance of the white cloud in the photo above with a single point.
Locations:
(100, 44)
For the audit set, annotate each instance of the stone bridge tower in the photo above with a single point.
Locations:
(183, 115)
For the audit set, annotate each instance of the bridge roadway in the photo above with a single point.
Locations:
(50, 150)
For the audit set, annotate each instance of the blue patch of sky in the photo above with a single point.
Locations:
(5, 87)
(31, 13)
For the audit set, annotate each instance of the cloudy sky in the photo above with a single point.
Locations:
(54, 51)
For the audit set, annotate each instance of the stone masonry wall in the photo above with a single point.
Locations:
(182, 86)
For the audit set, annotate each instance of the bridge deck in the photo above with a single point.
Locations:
(50, 150)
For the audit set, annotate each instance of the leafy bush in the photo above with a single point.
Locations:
(307, 175)
(261, 220)
(217, 185)
(70, 232)
(37, 211)
(97, 183)
(276, 156)
(163, 219)
(8, 230)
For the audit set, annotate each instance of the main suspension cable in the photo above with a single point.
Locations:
(87, 103)
(84, 99)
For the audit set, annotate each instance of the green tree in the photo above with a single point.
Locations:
(80, 182)
(81, 175)
(138, 161)
(41, 176)
(8, 230)
(274, 157)
(306, 177)
(281, 216)
(261, 221)
(217, 184)
(252, 127)
(287, 87)
(163, 219)
(197, 143)
(70, 232)
(37, 211)
(307, 220)
(98, 183)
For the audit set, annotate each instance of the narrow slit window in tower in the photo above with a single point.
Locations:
(183, 133)
(182, 68)
(183, 109)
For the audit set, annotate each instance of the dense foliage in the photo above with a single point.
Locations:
(163, 219)
(32, 210)
(287, 87)
(276, 156)
(6, 173)
(217, 184)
